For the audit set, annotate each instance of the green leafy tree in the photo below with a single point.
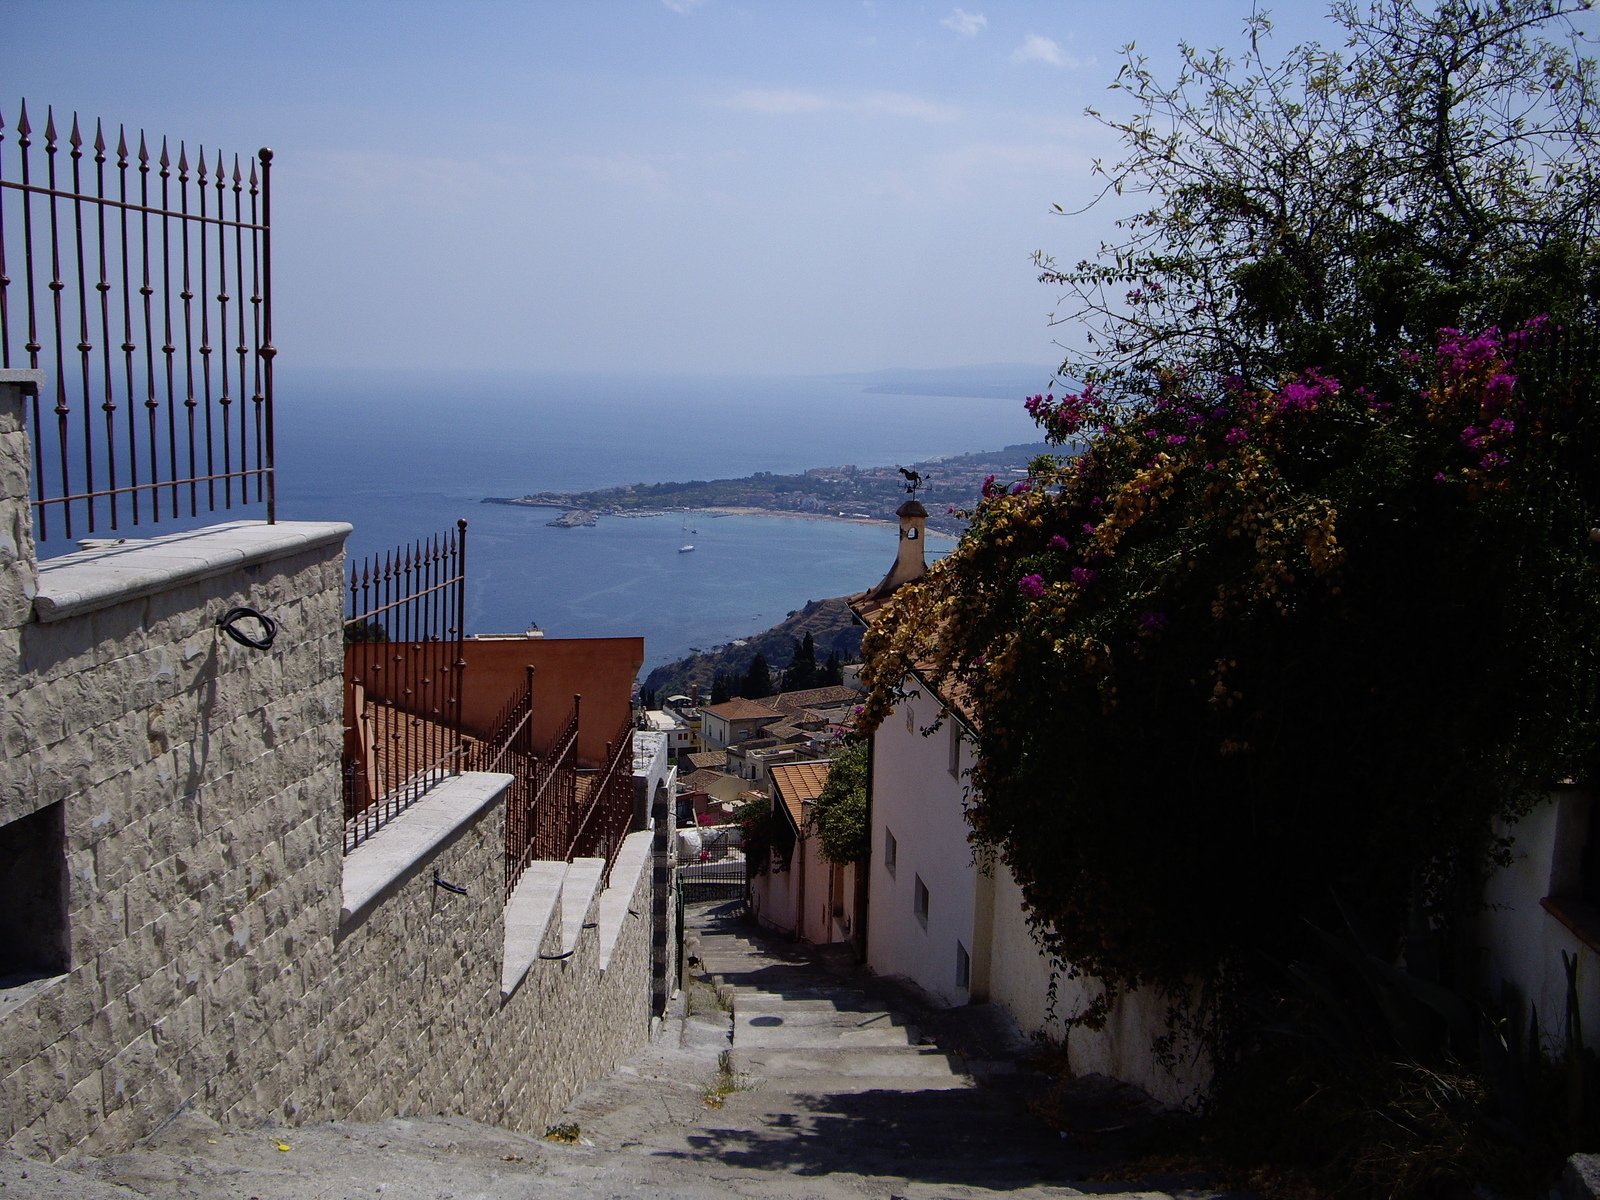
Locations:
(359, 631)
(757, 681)
(831, 673)
(802, 670)
(721, 688)
(1316, 600)
(1341, 205)
(840, 813)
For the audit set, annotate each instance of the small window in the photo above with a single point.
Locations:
(1589, 868)
(891, 850)
(919, 902)
(963, 967)
(955, 749)
(33, 897)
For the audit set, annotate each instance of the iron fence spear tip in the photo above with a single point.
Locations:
(75, 139)
(23, 127)
(99, 138)
(49, 123)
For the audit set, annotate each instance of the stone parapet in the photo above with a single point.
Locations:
(179, 928)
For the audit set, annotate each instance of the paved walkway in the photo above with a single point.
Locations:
(788, 1075)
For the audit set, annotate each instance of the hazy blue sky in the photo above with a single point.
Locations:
(716, 185)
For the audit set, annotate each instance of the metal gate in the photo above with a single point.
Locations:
(714, 881)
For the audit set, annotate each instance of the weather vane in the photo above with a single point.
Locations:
(914, 480)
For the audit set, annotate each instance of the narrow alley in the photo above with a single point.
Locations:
(830, 1087)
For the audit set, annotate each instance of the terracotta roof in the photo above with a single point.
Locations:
(740, 709)
(786, 733)
(713, 759)
(950, 692)
(822, 697)
(866, 606)
(799, 784)
(701, 780)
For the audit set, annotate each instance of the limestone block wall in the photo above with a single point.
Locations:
(171, 872)
(417, 1022)
(189, 782)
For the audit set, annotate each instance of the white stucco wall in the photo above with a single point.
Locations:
(1020, 980)
(775, 895)
(1524, 942)
(915, 796)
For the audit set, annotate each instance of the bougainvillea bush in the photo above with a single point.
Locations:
(1257, 654)
(1308, 597)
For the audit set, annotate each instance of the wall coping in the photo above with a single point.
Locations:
(89, 580)
(635, 857)
(374, 867)
(578, 893)
(528, 911)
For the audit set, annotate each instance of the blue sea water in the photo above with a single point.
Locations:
(402, 455)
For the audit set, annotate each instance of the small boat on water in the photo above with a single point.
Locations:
(685, 549)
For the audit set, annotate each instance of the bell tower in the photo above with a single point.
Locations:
(910, 560)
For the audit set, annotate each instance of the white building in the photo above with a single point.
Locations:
(680, 734)
(956, 926)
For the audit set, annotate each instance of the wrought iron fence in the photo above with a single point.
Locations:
(540, 828)
(555, 810)
(403, 674)
(609, 810)
(142, 284)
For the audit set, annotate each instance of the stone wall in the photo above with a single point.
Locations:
(193, 781)
(422, 969)
(183, 941)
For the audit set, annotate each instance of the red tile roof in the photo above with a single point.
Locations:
(798, 784)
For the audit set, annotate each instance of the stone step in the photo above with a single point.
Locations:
(767, 1015)
(818, 999)
(909, 1063)
(750, 1034)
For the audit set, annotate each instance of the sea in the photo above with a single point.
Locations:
(402, 455)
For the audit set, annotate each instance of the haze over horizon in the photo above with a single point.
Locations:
(652, 186)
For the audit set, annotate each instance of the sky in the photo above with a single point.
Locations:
(638, 186)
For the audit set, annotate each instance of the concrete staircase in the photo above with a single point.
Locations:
(836, 1083)
(785, 1075)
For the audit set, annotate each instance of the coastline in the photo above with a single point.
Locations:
(719, 510)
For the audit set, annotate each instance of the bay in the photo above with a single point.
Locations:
(403, 455)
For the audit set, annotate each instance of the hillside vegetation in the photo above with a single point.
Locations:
(829, 622)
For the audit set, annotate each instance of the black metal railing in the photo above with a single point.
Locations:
(543, 828)
(142, 286)
(603, 822)
(403, 675)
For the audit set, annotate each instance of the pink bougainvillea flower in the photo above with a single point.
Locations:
(1031, 586)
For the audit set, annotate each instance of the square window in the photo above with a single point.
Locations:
(33, 897)
(919, 902)
(891, 850)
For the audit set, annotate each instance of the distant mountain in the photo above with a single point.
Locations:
(832, 629)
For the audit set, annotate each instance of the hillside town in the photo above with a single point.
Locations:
(1215, 816)
(848, 493)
